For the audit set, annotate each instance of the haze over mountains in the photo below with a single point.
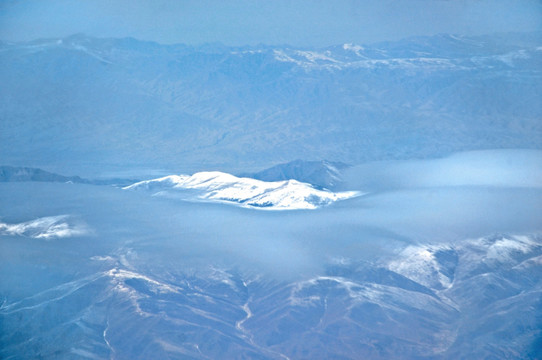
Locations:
(82, 105)
(433, 144)
(387, 275)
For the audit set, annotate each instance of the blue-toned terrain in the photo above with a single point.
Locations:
(269, 202)
(85, 106)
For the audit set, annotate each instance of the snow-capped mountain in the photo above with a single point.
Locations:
(216, 186)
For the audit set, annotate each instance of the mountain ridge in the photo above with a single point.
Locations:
(19, 173)
(215, 186)
(237, 109)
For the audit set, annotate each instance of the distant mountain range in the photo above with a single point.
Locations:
(87, 105)
(17, 174)
(322, 174)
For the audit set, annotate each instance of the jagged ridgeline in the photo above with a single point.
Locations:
(78, 102)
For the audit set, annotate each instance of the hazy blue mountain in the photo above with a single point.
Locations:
(12, 173)
(124, 102)
(16, 173)
(320, 173)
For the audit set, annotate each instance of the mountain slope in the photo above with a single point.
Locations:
(70, 104)
(221, 187)
(129, 276)
(320, 173)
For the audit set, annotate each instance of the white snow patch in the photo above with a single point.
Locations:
(418, 263)
(355, 291)
(82, 48)
(510, 58)
(46, 228)
(102, 258)
(282, 56)
(216, 186)
(357, 49)
(120, 276)
(503, 249)
(314, 57)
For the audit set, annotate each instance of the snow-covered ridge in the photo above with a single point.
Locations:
(435, 266)
(431, 266)
(216, 186)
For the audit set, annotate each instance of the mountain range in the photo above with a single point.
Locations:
(87, 105)
(420, 161)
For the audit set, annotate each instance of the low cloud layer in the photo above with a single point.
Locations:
(494, 168)
(442, 201)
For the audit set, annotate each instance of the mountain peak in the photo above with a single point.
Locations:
(323, 174)
(215, 186)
